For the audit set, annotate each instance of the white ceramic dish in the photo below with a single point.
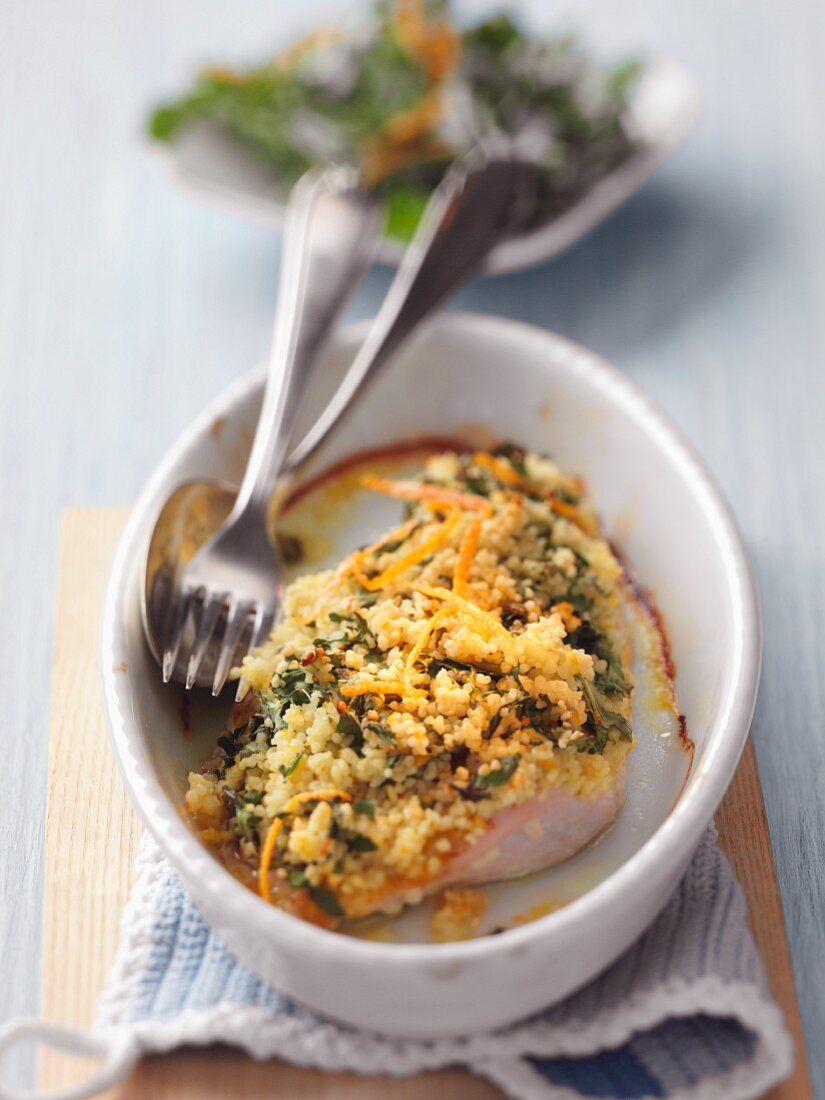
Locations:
(655, 498)
(223, 172)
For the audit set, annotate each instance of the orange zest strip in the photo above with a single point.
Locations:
(277, 825)
(428, 546)
(470, 610)
(434, 42)
(415, 490)
(352, 565)
(567, 511)
(380, 687)
(499, 469)
(466, 553)
(426, 634)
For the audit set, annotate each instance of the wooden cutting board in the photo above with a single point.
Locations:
(91, 839)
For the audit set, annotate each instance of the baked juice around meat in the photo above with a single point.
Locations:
(450, 706)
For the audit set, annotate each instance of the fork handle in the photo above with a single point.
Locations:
(329, 241)
(471, 211)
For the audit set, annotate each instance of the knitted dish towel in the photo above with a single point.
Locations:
(684, 1015)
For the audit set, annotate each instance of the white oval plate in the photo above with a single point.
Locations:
(222, 171)
(655, 499)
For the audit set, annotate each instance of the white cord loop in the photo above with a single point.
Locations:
(119, 1054)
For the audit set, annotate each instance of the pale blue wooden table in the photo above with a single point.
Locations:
(125, 306)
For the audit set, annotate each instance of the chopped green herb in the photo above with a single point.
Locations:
(514, 454)
(509, 764)
(287, 770)
(364, 806)
(604, 718)
(381, 732)
(357, 842)
(351, 728)
(437, 663)
(495, 722)
(325, 900)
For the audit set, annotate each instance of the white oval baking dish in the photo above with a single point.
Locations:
(656, 500)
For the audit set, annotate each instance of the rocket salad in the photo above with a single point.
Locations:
(407, 93)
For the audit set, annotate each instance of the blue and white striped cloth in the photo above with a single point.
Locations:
(684, 1014)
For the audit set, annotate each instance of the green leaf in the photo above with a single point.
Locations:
(381, 732)
(437, 663)
(350, 728)
(286, 770)
(495, 722)
(360, 843)
(402, 208)
(364, 806)
(602, 717)
(325, 900)
(509, 764)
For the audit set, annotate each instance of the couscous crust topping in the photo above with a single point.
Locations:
(464, 663)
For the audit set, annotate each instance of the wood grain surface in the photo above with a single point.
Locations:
(91, 838)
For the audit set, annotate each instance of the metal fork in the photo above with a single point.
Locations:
(330, 234)
(471, 211)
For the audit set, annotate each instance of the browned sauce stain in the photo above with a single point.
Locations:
(687, 743)
(646, 600)
(119, 668)
(405, 448)
(216, 427)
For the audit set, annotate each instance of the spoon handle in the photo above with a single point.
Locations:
(329, 241)
(468, 214)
